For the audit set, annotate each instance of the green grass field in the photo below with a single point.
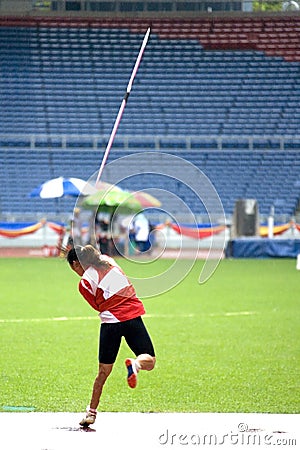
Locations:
(230, 345)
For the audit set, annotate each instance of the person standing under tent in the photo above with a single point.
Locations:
(107, 289)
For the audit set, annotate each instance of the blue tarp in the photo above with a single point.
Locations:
(263, 248)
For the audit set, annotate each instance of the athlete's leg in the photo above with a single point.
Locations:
(140, 343)
(103, 374)
(145, 361)
(109, 344)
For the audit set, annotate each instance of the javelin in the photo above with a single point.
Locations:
(123, 104)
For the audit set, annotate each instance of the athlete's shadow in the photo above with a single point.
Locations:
(84, 429)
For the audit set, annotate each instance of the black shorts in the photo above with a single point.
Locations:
(135, 334)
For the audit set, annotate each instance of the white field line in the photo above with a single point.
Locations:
(151, 316)
(48, 319)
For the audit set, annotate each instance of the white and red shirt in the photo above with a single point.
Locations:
(110, 292)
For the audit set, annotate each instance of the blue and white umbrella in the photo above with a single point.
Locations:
(62, 187)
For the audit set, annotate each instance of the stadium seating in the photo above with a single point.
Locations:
(273, 179)
(70, 80)
(203, 85)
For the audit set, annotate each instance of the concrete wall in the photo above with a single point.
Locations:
(15, 6)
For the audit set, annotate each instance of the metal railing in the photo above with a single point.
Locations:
(155, 142)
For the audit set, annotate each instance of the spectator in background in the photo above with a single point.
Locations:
(141, 233)
(76, 228)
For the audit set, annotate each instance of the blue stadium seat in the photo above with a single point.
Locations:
(60, 80)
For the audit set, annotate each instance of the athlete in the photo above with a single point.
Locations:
(107, 289)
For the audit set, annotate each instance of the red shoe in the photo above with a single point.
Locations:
(131, 373)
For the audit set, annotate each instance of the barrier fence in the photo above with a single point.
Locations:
(161, 143)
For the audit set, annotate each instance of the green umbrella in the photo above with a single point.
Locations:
(111, 200)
